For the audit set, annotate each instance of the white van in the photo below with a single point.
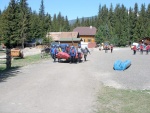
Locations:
(134, 44)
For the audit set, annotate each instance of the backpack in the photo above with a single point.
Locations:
(72, 51)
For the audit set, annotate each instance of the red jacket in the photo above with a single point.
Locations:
(111, 47)
(141, 47)
(134, 48)
(147, 47)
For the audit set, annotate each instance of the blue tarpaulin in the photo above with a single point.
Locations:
(120, 65)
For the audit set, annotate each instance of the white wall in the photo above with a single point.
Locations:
(84, 44)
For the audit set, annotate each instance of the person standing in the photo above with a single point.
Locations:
(72, 54)
(111, 48)
(54, 52)
(106, 48)
(134, 50)
(59, 49)
(141, 49)
(79, 51)
(147, 49)
(85, 52)
(67, 49)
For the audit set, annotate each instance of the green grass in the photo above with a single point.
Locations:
(28, 60)
(112, 100)
(18, 62)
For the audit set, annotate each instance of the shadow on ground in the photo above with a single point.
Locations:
(64, 61)
(5, 74)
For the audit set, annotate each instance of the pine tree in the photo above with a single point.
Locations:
(87, 22)
(24, 21)
(99, 17)
(77, 23)
(66, 26)
(54, 24)
(82, 22)
(142, 19)
(60, 22)
(48, 23)
(9, 23)
(111, 22)
(135, 22)
(0, 26)
(100, 37)
(34, 25)
(148, 20)
(104, 14)
(131, 25)
(42, 10)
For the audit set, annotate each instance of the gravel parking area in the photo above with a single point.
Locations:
(137, 76)
(49, 87)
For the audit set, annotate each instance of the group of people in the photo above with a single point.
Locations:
(141, 48)
(72, 51)
(106, 48)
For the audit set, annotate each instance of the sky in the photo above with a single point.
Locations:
(76, 8)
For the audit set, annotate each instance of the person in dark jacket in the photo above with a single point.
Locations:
(54, 52)
(72, 54)
(111, 48)
(85, 52)
(67, 49)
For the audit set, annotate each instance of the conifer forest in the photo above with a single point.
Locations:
(116, 24)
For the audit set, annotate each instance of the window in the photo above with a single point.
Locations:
(89, 40)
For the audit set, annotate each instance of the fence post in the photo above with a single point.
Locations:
(8, 58)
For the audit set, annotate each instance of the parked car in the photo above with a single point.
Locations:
(106, 46)
(134, 44)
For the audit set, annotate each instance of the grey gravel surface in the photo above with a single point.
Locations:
(137, 76)
(71, 88)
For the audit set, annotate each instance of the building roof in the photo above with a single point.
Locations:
(85, 30)
(70, 39)
(57, 35)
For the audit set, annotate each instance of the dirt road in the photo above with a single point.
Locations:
(70, 88)
(52, 88)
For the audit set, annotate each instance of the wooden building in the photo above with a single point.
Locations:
(71, 38)
(71, 41)
(86, 33)
(145, 40)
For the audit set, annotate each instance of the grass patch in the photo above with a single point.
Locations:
(111, 100)
(18, 62)
(28, 60)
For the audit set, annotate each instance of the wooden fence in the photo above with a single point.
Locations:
(7, 58)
